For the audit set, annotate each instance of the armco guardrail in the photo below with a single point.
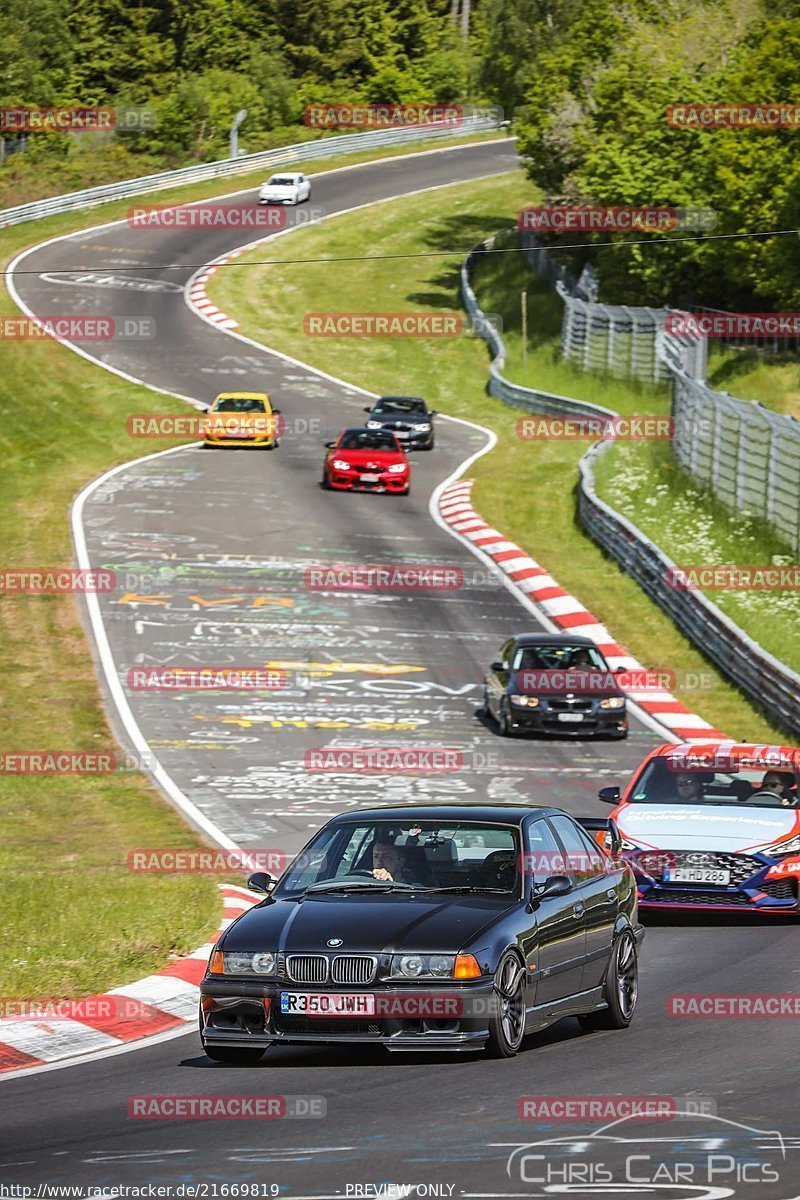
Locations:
(222, 168)
(532, 400)
(770, 684)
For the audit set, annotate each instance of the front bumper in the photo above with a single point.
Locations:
(241, 1019)
(350, 481)
(613, 721)
(258, 441)
(749, 888)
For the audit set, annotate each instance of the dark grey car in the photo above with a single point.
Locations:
(554, 683)
(408, 418)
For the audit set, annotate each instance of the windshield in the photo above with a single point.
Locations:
(422, 854)
(240, 404)
(281, 181)
(558, 657)
(367, 439)
(401, 405)
(664, 782)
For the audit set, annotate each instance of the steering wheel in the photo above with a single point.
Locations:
(778, 800)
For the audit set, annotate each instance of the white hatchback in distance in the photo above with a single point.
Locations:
(289, 187)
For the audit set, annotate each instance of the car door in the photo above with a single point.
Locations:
(555, 946)
(580, 863)
(599, 890)
(497, 680)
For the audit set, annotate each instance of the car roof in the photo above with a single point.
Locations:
(501, 814)
(371, 432)
(552, 639)
(759, 752)
(241, 396)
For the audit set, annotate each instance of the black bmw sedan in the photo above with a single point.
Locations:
(554, 683)
(441, 928)
(407, 417)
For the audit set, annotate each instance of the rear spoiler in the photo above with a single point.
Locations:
(607, 824)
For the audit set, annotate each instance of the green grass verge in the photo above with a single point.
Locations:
(81, 921)
(645, 483)
(750, 376)
(524, 488)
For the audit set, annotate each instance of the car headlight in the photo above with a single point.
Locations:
(397, 468)
(779, 849)
(525, 701)
(422, 966)
(236, 963)
(613, 702)
(374, 425)
(340, 464)
(423, 428)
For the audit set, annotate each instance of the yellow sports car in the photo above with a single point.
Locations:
(241, 419)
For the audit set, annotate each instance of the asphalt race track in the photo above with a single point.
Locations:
(212, 548)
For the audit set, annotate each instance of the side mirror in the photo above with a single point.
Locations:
(367, 408)
(329, 445)
(276, 410)
(497, 666)
(433, 413)
(556, 885)
(609, 795)
(260, 881)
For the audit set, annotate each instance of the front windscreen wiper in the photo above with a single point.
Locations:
(377, 886)
(468, 887)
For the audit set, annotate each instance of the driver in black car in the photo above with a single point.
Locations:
(397, 864)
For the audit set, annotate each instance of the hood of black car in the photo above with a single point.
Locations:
(365, 923)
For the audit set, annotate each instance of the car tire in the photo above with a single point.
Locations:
(504, 728)
(407, 491)
(325, 483)
(620, 990)
(507, 1025)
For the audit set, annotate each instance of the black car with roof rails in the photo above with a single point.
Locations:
(554, 683)
(408, 418)
(436, 928)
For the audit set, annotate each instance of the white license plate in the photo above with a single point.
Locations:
(322, 1004)
(401, 432)
(696, 875)
(572, 718)
(370, 478)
